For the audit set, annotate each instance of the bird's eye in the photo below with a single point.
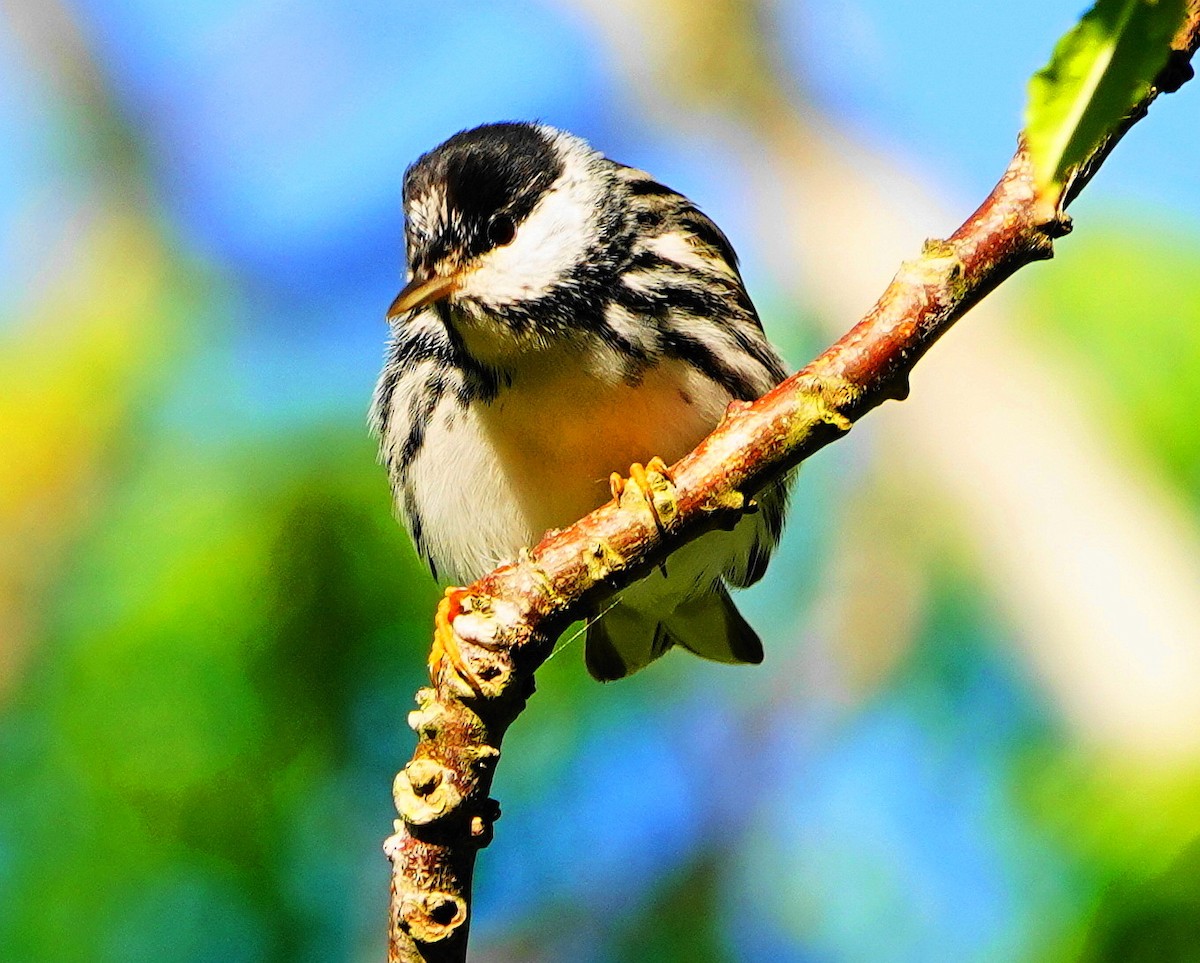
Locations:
(501, 230)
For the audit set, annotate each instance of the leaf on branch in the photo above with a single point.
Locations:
(1098, 73)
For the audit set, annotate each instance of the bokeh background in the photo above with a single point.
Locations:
(977, 732)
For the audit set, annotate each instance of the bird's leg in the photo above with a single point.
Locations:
(445, 643)
(640, 475)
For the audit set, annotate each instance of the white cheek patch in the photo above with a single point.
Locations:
(554, 237)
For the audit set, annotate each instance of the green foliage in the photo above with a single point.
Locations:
(681, 923)
(1099, 70)
(197, 707)
(1150, 921)
(1125, 319)
(1129, 318)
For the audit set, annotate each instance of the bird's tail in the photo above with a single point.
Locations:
(625, 640)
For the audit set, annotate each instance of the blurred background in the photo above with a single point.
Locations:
(977, 732)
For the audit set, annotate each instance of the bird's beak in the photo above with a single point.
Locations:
(422, 291)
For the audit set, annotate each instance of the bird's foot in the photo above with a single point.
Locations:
(657, 488)
(445, 650)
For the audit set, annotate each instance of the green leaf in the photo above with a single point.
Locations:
(1099, 71)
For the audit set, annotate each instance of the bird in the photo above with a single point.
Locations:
(566, 316)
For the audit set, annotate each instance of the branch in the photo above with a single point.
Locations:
(511, 616)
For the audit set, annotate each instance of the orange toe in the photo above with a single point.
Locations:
(445, 647)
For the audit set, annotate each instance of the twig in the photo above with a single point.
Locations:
(511, 616)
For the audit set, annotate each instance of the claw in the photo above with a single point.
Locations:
(616, 484)
(639, 474)
(445, 643)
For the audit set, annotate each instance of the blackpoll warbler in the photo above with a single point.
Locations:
(566, 316)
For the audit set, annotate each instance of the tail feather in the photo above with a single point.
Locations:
(625, 640)
(712, 627)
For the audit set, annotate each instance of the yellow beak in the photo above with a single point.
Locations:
(422, 291)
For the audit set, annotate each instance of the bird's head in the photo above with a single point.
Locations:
(503, 221)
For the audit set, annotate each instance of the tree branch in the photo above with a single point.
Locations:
(510, 618)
